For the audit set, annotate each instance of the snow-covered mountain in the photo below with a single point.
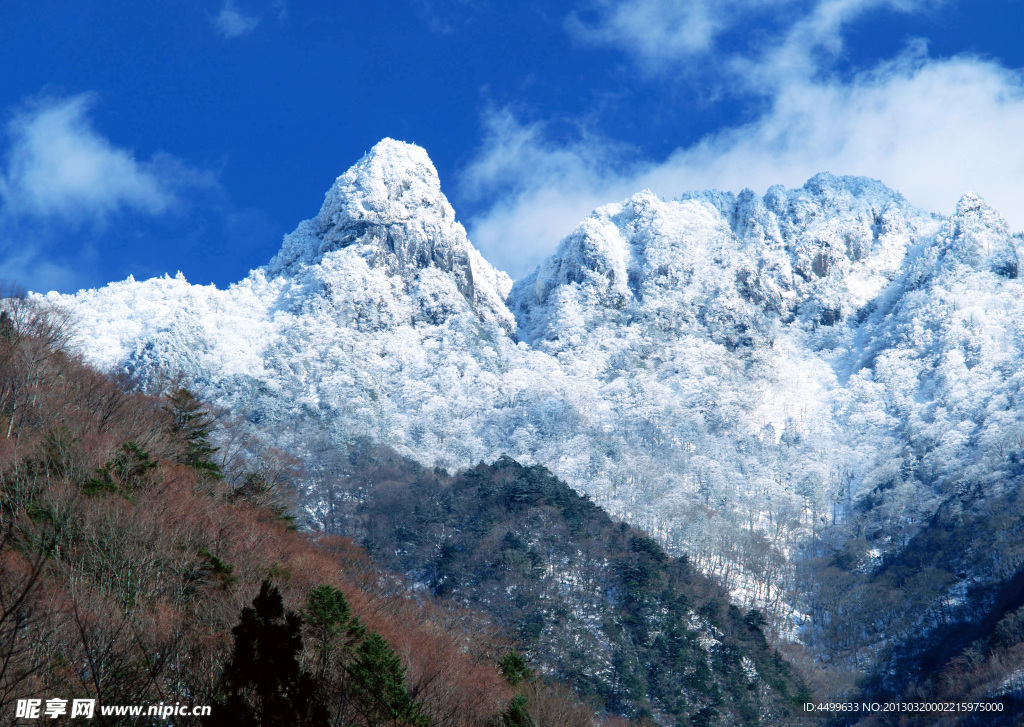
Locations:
(729, 372)
(363, 319)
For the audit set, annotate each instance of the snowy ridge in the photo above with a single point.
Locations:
(714, 367)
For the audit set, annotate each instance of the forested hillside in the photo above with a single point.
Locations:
(139, 566)
(596, 603)
(967, 646)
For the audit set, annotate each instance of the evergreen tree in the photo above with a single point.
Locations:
(192, 423)
(517, 715)
(514, 668)
(377, 682)
(6, 327)
(264, 682)
(131, 469)
(330, 620)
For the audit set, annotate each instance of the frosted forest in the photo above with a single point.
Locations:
(813, 395)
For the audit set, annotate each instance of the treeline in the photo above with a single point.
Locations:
(134, 571)
(594, 602)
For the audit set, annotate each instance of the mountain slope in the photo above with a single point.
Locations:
(595, 603)
(377, 295)
(125, 560)
(766, 383)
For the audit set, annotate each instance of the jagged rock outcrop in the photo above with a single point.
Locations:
(388, 209)
(977, 236)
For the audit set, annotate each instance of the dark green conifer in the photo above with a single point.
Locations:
(264, 682)
(131, 469)
(192, 423)
(516, 715)
(6, 327)
(514, 668)
(331, 623)
(378, 686)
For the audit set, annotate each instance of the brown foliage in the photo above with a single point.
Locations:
(128, 594)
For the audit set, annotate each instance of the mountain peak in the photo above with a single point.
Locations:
(388, 213)
(827, 185)
(969, 203)
(977, 235)
(389, 204)
(393, 182)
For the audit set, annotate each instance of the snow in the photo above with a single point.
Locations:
(707, 367)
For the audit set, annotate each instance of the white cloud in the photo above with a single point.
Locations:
(655, 30)
(931, 128)
(58, 174)
(818, 32)
(232, 22)
(58, 166)
(664, 34)
(444, 17)
(541, 189)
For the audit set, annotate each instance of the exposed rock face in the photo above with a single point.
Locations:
(389, 210)
(977, 236)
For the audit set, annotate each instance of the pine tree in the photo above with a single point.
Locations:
(516, 715)
(514, 668)
(192, 423)
(131, 469)
(330, 621)
(264, 682)
(6, 327)
(377, 682)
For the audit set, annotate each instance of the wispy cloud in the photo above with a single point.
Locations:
(58, 166)
(232, 22)
(807, 46)
(444, 17)
(58, 175)
(662, 33)
(30, 268)
(931, 128)
(538, 188)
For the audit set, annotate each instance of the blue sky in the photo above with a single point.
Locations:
(144, 138)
